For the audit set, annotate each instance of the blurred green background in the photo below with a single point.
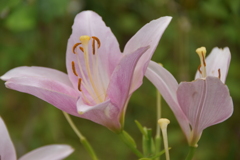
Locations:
(35, 33)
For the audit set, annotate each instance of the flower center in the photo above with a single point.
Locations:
(92, 81)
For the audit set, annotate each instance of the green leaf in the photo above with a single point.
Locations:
(140, 127)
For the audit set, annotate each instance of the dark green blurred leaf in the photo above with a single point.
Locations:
(215, 9)
(7, 4)
(22, 19)
(49, 9)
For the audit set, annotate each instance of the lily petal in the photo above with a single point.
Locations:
(91, 24)
(7, 150)
(50, 152)
(121, 79)
(104, 113)
(217, 59)
(33, 71)
(205, 102)
(149, 34)
(53, 92)
(167, 86)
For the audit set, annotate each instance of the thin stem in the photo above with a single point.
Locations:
(190, 153)
(158, 132)
(83, 140)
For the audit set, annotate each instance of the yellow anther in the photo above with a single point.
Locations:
(84, 39)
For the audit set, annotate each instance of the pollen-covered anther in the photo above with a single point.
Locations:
(75, 46)
(93, 47)
(74, 69)
(219, 73)
(199, 69)
(81, 48)
(98, 41)
(79, 84)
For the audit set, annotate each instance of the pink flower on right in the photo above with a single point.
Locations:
(201, 103)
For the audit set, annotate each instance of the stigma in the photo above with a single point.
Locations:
(89, 71)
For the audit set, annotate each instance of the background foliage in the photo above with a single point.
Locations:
(35, 33)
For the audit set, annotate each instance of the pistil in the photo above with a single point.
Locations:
(202, 54)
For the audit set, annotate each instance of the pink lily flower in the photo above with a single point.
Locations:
(100, 78)
(49, 152)
(201, 103)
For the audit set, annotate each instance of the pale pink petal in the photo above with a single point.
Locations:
(91, 24)
(121, 79)
(217, 59)
(205, 102)
(167, 86)
(149, 34)
(50, 152)
(53, 92)
(7, 150)
(33, 71)
(104, 113)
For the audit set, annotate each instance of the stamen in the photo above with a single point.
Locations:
(75, 46)
(199, 69)
(98, 41)
(74, 69)
(79, 84)
(204, 63)
(219, 73)
(81, 48)
(93, 46)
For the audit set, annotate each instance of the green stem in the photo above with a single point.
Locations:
(83, 140)
(158, 132)
(190, 153)
(128, 140)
